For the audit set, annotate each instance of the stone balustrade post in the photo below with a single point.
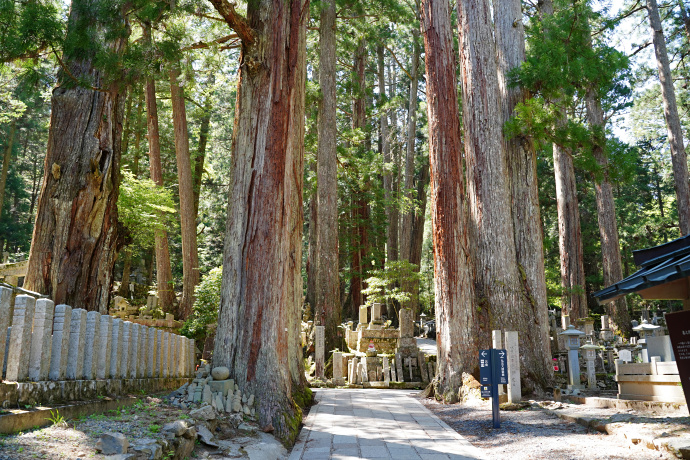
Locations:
(166, 350)
(133, 351)
(117, 343)
(126, 343)
(20, 338)
(62, 324)
(92, 344)
(104, 352)
(42, 340)
(151, 352)
(5, 307)
(75, 354)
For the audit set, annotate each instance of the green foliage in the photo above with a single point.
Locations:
(56, 419)
(389, 284)
(143, 208)
(206, 305)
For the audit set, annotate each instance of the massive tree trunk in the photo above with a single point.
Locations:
(391, 217)
(360, 214)
(675, 133)
(190, 256)
(164, 281)
(606, 213)
(533, 324)
(259, 320)
(497, 284)
(9, 143)
(327, 282)
(455, 308)
(75, 237)
(408, 215)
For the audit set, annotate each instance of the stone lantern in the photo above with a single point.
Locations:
(590, 352)
(572, 343)
(645, 330)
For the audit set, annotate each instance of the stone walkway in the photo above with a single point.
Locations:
(428, 346)
(376, 424)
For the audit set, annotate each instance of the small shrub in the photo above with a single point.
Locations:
(206, 305)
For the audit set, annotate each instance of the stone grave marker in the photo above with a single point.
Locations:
(126, 343)
(5, 299)
(338, 368)
(363, 319)
(61, 331)
(319, 343)
(386, 370)
(42, 340)
(133, 358)
(399, 367)
(625, 356)
(166, 349)
(151, 352)
(116, 345)
(513, 351)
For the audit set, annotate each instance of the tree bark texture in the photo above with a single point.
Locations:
(675, 133)
(606, 214)
(164, 281)
(408, 215)
(7, 155)
(498, 287)
(456, 313)
(258, 335)
(417, 237)
(533, 324)
(391, 217)
(190, 256)
(394, 231)
(75, 239)
(312, 255)
(573, 300)
(360, 212)
(328, 280)
(200, 158)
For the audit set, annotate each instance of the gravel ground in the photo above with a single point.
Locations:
(533, 433)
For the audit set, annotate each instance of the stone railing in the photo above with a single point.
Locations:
(48, 343)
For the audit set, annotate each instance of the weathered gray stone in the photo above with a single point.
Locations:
(399, 367)
(20, 338)
(422, 367)
(513, 350)
(205, 412)
(177, 428)
(205, 436)
(148, 449)
(5, 299)
(220, 373)
(250, 400)
(222, 386)
(268, 448)
(151, 352)
(112, 443)
(207, 395)
(60, 347)
(406, 323)
(237, 401)
(165, 370)
(117, 343)
(133, 358)
(92, 344)
(75, 356)
(142, 351)
(103, 355)
(320, 354)
(363, 315)
(220, 404)
(386, 370)
(158, 368)
(126, 344)
(42, 340)
(338, 368)
(192, 356)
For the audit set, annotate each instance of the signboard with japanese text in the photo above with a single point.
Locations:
(679, 329)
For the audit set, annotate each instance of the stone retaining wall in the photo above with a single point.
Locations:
(57, 344)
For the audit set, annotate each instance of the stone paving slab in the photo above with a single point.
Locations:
(376, 424)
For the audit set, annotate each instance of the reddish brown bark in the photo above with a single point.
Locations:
(75, 237)
(190, 256)
(453, 285)
(259, 320)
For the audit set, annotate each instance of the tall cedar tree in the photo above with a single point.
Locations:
(327, 280)
(453, 273)
(532, 325)
(675, 133)
(75, 237)
(258, 335)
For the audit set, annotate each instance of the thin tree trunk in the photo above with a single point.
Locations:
(75, 237)
(418, 236)
(606, 213)
(190, 256)
(164, 281)
(34, 180)
(388, 165)
(6, 162)
(675, 133)
(573, 300)
(137, 136)
(359, 210)
(328, 282)
(686, 19)
(127, 125)
(395, 157)
(312, 254)
(533, 324)
(408, 216)
(200, 158)
(453, 273)
(259, 320)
